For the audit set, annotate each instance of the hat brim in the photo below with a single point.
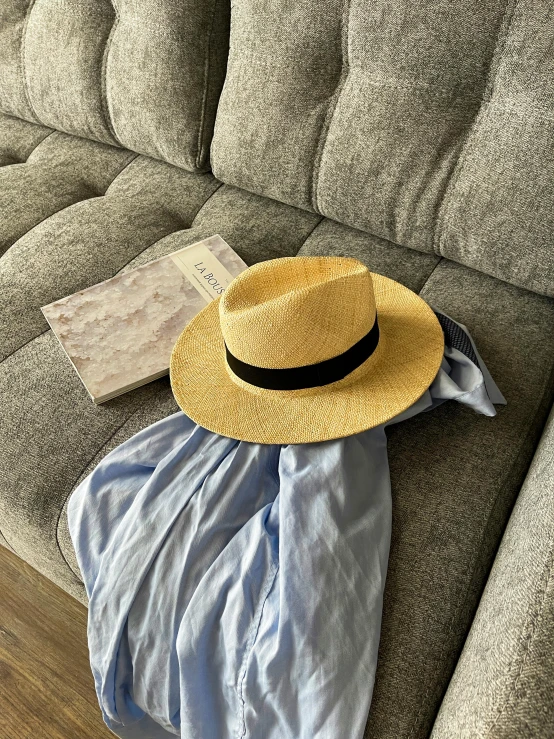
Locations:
(407, 359)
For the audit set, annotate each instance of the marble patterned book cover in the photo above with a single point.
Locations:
(119, 334)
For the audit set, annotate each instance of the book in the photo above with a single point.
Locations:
(119, 334)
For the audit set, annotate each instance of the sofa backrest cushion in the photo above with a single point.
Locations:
(427, 124)
(143, 74)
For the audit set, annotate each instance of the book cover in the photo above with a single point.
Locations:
(119, 334)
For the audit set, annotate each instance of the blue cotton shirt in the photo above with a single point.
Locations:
(235, 589)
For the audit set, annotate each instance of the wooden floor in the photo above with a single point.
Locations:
(46, 687)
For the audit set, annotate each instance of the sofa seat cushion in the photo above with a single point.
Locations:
(43, 171)
(503, 685)
(455, 475)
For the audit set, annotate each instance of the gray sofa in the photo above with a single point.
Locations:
(416, 137)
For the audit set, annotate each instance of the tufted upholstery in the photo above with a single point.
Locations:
(51, 171)
(18, 139)
(92, 210)
(144, 74)
(427, 124)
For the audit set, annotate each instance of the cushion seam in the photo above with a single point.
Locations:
(431, 273)
(200, 137)
(201, 208)
(103, 77)
(26, 86)
(427, 90)
(19, 348)
(94, 196)
(458, 169)
(156, 241)
(134, 158)
(37, 146)
(323, 135)
(308, 235)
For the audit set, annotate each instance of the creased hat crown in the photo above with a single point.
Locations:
(297, 311)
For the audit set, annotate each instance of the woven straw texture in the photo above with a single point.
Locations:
(296, 311)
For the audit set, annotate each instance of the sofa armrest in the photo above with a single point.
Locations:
(503, 685)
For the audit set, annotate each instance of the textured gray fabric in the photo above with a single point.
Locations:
(374, 99)
(503, 686)
(429, 126)
(59, 171)
(164, 72)
(260, 229)
(498, 215)
(13, 95)
(372, 111)
(67, 92)
(144, 74)
(454, 477)
(256, 228)
(409, 267)
(283, 67)
(18, 139)
(89, 241)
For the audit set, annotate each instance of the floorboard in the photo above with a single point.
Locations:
(46, 687)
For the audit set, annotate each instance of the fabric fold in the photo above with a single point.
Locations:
(235, 589)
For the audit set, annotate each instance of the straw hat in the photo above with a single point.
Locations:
(305, 349)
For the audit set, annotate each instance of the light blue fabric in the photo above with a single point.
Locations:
(236, 589)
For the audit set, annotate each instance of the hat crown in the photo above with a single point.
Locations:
(297, 311)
